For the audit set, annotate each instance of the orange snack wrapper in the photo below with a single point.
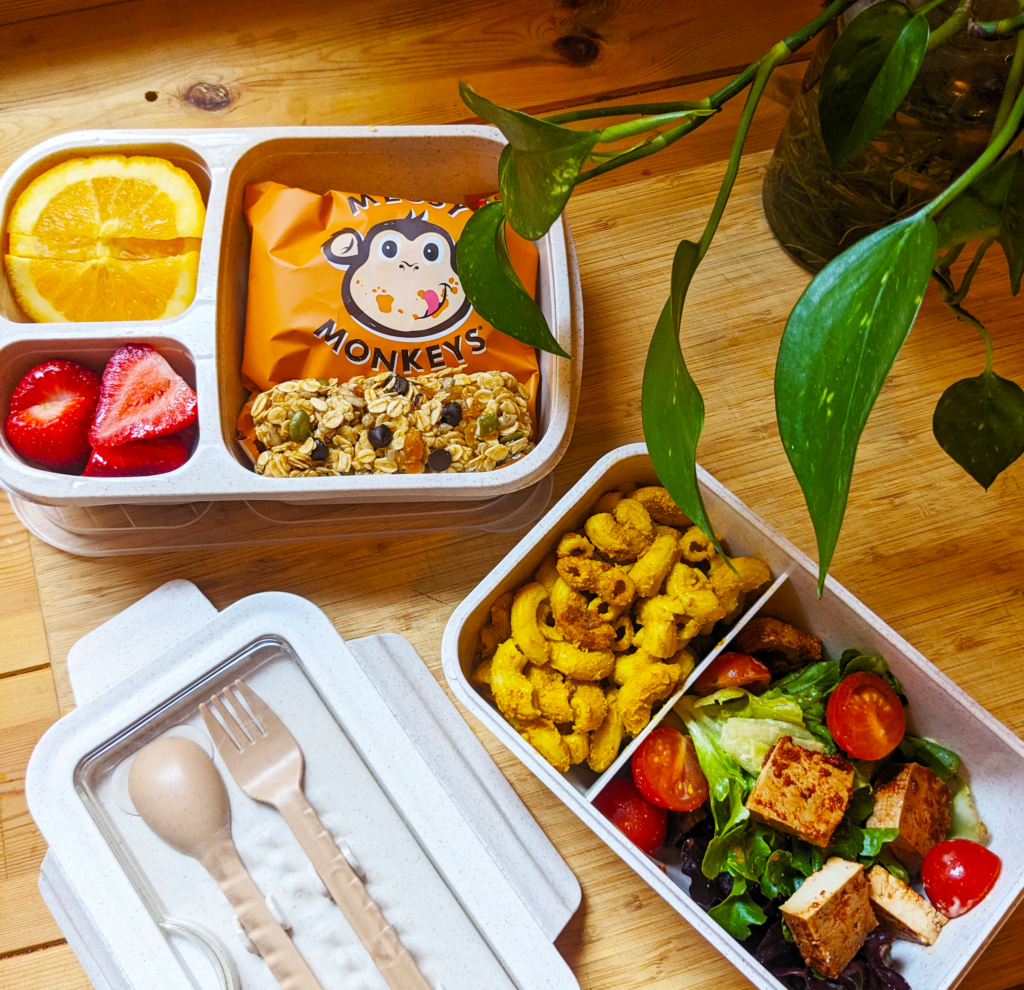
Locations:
(351, 284)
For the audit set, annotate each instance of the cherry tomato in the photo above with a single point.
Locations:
(733, 670)
(865, 716)
(958, 874)
(666, 771)
(642, 823)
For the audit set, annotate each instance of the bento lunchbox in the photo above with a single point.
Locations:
(204, 343)
(993, 757)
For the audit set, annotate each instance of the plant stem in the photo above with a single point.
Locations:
(765, 68)
(929, 7)
(958, 296)
(631, 128)
(997, 30)
(624, 110)
(1012, 84)
(717, 99)
(946, 295)
(995, 148)
(944, 263)
(950, 27)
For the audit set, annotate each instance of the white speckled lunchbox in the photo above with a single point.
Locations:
(993, 757)
(460, 869)
(204, 344)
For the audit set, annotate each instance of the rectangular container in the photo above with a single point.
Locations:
(204, 344)
(467, 878)
(993, 757)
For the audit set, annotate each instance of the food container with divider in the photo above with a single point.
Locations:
(993, 757)
(204, 344)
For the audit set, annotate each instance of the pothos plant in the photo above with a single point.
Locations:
(847, 328)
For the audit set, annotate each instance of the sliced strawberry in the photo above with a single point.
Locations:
(132, 460)
(141, 397)
(50, 412)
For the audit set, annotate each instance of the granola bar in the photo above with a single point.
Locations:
(446, 421)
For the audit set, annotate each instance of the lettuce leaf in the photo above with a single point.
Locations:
(855, 843)
(853, 661)
(748, 740)
(942, 762)
(964, 820)
(738, 911)
(809, 688)
(734, 702)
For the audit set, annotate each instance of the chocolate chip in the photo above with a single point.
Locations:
(398, 385)
(379, 436)
(452, 414)
(417, 400)
(319, 452)
(439, 460)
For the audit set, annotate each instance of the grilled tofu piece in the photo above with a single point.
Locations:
(803, 793)
(901, 910)
(915, 801)
(782, 648)
(830, 916)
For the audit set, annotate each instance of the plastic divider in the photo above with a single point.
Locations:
(591, 792)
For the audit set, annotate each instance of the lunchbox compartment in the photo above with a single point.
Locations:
(993, 758)
(429, 166)
(19, 356)
(178, 154)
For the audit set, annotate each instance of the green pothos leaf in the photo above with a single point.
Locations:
(979, 422)
(538, 168)
(492, 285)
(671, 404)
(867, 74)
(838, 346)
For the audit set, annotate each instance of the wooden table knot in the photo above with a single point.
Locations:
(577, 48)
(208, 96)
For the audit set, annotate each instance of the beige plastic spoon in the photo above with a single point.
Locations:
(180, 795)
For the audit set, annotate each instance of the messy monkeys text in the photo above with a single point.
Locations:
(405, 360)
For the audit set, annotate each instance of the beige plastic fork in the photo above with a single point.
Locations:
(268, 766)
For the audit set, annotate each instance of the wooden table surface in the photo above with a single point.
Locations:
(926, 548)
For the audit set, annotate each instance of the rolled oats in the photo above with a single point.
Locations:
(342, 413)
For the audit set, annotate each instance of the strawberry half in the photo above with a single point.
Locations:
(141, 397)
(140, 457)
(50, 412)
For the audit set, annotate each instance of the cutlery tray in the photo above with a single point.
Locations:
(396, 776)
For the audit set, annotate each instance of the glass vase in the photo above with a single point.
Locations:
(938, 131)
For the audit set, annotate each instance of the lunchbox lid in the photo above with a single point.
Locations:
(501, 867)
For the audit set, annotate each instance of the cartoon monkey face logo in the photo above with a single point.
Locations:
(401, 279)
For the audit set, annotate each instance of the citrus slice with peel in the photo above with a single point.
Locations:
(106, 238)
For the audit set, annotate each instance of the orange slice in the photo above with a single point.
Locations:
(106, 238)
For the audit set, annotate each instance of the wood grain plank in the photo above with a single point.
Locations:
(28, 707)
(22, 634)
(325, 63)
(52, 968)
(13, 11)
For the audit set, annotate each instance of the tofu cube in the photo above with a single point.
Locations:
(915, 801)
(830, 916)
(803, 793)
(901, 910)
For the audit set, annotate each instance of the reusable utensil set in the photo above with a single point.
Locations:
(180, 794)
